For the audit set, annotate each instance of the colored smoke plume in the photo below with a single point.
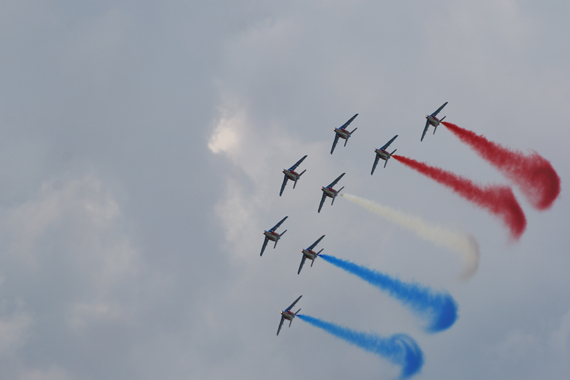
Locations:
(499, 200)
(439, 309)
(464, 243)
(400, 349)
(532, 173)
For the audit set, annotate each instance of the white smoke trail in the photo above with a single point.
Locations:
(457, 241)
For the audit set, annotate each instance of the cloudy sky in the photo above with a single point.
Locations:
(141, 149)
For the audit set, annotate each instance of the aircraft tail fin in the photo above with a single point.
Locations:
(346, 140)
(298, 311)
(282, 233)
(294, 184)
(434, 129)
(302, 172)
(353, 130)
(394, 151)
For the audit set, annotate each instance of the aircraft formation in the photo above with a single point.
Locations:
(531, 173)
(329, 191)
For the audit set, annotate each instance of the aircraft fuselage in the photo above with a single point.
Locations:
(433, 120)
(288, 315)
(342, 133)
(383, 154)
(329, 192)
(272, 235)
(310, 254)
(291, 174)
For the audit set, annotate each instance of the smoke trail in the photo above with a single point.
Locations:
(456, 241)
(499, 200)
(400, 349)
(533, 174)
(439, 309)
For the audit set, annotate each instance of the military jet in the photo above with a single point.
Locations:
(330, 192)
(287, 314)
(272, 235)
(292, 175)
(382, 154)
(310, 254)
(343, 133)
(433, 120)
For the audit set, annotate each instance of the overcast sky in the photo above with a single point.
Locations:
(141, 149)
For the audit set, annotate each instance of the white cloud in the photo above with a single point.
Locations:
(560, 338)
(52, 373)
(14, 330)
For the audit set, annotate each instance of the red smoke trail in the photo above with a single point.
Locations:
(499, 200)
(533, 174)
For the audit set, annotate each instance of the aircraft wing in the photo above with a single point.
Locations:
(348, 122)
(425, 130)
(280, 324)
(334, 143)
(375, 163)
(439, 109)
(336, 180)
(302, 262)
(264, 245)
(278, 224)
(388, 143)
(298, 163)
(293, 304)
(315, 243)
(322, 201)
(283, 185)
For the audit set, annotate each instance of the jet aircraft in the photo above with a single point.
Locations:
(287, 314)
(433, 120)
(310, 254)
(292, 175)
(272, 235)
(330, 192)
(343, 133)
(382, 154)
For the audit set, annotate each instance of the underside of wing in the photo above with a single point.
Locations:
(348, 122)
(334, 143)
(336, 180)
(388, 143)
(264, 245)
(439, 109)
(294, 302)
(425, 130)
(278, 224)
(283, 185)
(280, 324)
(375, 163)
(298, 163)
(302, 263)
(322, 201)
(315, 243)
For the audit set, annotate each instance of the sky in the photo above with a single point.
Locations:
(141, 149)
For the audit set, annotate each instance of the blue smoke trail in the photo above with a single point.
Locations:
(439, 309)
(399, 349)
